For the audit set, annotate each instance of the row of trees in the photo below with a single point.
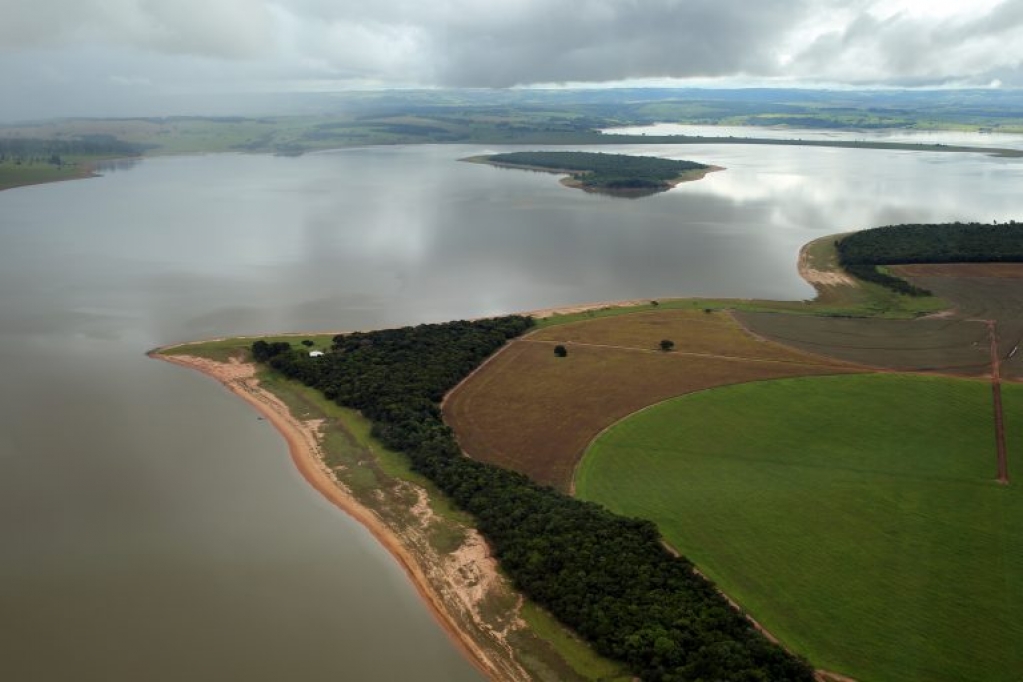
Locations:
(50, 148)
(609, 578)
(861, 253)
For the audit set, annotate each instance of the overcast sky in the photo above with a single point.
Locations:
(126, 57)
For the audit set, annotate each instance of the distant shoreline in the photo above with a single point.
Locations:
(593, 139)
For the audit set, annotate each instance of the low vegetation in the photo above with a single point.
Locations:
(605, 576)
(856, 517)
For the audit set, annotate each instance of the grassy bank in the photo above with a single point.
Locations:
(28, 173)
(845, 297)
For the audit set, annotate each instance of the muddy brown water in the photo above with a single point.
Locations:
(152, 528)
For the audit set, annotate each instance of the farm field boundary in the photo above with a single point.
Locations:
(534, 412)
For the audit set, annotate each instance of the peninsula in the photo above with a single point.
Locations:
(400, 473)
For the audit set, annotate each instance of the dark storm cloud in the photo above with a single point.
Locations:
(82, 55)
(219, 28)
(907, 48)
(600, 41)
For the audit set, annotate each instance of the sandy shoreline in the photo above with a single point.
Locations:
(303, 445)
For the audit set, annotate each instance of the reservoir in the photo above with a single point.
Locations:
(151, 528)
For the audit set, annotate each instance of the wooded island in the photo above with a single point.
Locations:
(615, 174)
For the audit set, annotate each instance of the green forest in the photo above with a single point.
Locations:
(607, 577)
(861, 253)
(596, 170)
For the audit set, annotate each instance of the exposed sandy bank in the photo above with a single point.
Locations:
(818, 278)
(453, 587)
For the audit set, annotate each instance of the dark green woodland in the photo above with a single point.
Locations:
(599, 171)
(607, 577)
(861, 253)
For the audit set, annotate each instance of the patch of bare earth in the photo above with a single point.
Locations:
(582, 308)
(811, 271)
(826, 278)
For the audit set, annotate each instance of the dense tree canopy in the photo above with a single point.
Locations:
(604, 171)
(861, 252)
(935, 243)
(607, 577)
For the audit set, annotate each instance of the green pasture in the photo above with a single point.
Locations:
(856, 517)
(222, 350)
(19, 174)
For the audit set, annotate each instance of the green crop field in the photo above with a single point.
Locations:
(856, 517)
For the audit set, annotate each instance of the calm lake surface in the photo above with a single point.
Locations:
(152, 529)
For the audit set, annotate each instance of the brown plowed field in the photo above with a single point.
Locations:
(956, 343)
(531, 411)
(982, 291)
(943, 345)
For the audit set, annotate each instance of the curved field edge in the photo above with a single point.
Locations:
(425, 522)
(534, 412)
(856, 517)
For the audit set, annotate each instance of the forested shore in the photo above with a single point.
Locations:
(864, 254)
(609, 578)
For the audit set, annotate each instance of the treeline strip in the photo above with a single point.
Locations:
(606, 577)
(88, 145)
(869, 273)
(861, 253)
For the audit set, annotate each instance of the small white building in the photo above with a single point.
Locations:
(315, 353)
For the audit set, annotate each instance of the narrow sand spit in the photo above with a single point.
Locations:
(454, 587)
(584, 307)
(816, 278)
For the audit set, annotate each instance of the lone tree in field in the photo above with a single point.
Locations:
(560, 351)
(667, 344)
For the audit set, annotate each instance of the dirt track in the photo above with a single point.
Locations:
(996, 394)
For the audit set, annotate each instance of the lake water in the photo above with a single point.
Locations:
(152, 529)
